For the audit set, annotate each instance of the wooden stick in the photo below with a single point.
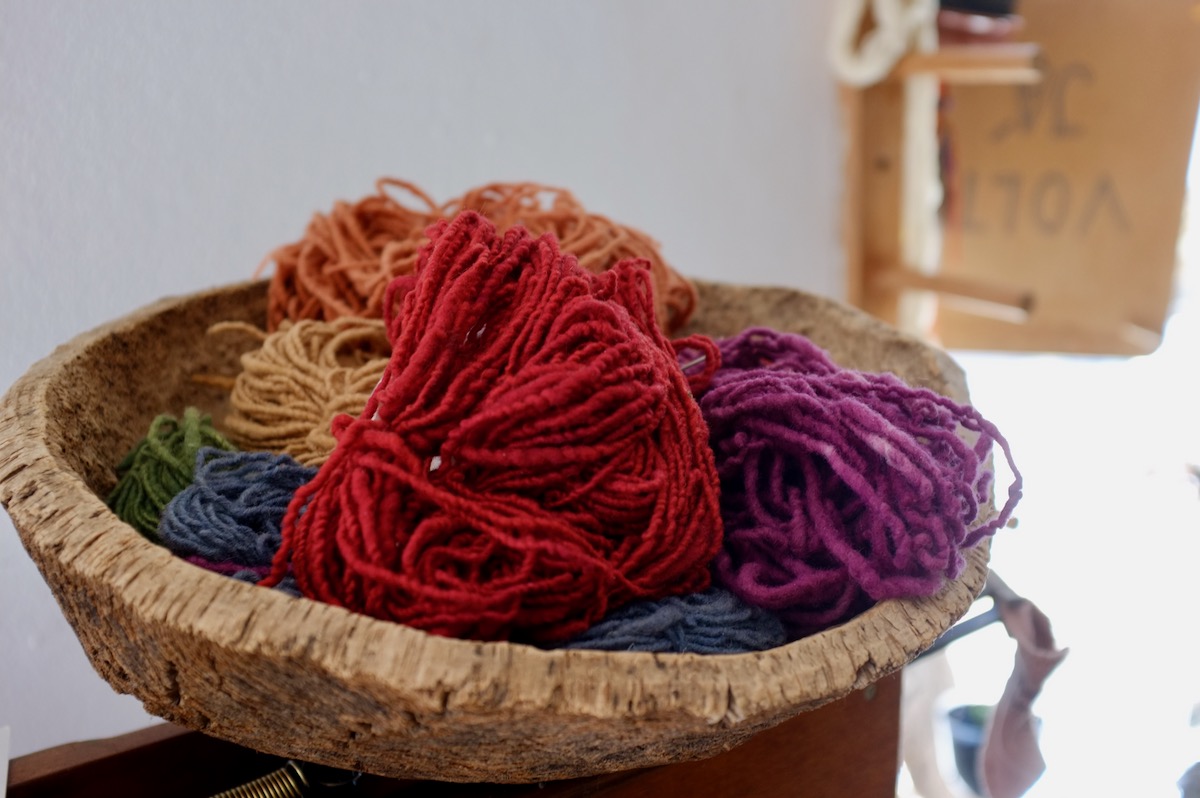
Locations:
(985, 63)
(900, 278)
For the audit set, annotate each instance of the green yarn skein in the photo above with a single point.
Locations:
(160, 466)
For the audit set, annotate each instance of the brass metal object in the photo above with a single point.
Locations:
(288, 781)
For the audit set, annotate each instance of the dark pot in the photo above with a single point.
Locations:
(967, 725)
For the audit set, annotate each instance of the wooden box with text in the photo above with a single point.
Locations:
(1070, 191)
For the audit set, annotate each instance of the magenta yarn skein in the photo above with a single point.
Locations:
(840, 488)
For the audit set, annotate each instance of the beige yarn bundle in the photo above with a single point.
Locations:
(303, 375)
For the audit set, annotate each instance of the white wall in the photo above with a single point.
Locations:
(155, 148)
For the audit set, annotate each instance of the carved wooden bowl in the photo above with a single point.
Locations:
(297, 678)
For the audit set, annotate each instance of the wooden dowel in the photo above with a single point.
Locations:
(985, 63)
(909, 279)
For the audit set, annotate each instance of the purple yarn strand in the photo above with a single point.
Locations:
(840, 488)
(244, 573)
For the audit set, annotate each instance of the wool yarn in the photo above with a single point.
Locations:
(243, 573)
(712, 622)
(160, 466)
(598, 242)
(231, 512)
(344, 261)
(531, 459)
(839, 488)
(252, 574)
(303, 375)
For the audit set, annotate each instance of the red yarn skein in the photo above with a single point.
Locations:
(531, 459)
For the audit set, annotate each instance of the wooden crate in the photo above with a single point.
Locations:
(1068, 193)
(1064, 187)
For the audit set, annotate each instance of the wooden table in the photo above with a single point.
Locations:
(847, 749)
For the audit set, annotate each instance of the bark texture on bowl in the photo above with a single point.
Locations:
(301, 679)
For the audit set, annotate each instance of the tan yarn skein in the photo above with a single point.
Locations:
(305, 374)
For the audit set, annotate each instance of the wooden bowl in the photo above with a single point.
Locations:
(300, 679)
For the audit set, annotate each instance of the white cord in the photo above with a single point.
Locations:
(897, 23)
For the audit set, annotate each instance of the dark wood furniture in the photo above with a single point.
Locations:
(846, 749)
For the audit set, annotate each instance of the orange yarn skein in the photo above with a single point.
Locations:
(346, 258)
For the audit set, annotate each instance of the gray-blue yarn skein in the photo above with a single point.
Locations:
(232, 511)
(712, 622)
